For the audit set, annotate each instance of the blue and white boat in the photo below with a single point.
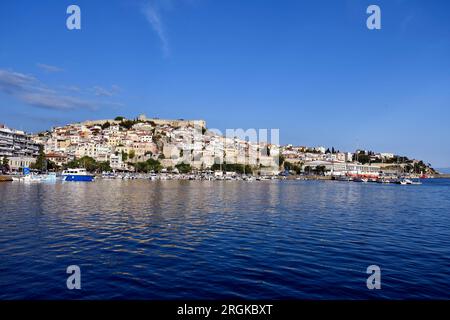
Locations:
(77, 175)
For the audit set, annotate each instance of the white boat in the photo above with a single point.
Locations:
(109, 175)
(32, 178)
(77, 175)
(360, 179)
(408, 181)
(50, 177)
(344, 178)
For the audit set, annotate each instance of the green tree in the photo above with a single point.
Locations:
(40, 163)
(119, 118)
(148, 166)
(88, 163)
(5, 165)
(72, 164)
(409, 168)
(184, 167)
(281, 160)
(106, 125)
(248, 169)
(124, 156)
(51, 166)
(154, 165)
(103, 166)
(320, 170)
(361, 157)
(131, 154)
(127, 124)
(293, 167)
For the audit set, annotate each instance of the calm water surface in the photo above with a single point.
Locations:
(208, 240)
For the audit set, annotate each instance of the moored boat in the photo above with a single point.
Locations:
(406, 181)
(344, 178)
(77, 175)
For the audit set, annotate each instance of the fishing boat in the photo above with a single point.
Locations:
(77, 175)
(361, 179)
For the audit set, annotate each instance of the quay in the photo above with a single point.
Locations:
(5, 179)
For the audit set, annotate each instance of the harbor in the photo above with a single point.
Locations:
(81, 175)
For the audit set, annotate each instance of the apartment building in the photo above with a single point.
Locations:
(17, 147)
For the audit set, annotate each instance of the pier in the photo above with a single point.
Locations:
(5, 179)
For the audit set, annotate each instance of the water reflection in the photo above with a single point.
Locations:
(229, 239)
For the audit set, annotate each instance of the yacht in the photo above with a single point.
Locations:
(77, 175)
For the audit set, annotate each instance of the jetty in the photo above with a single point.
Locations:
(5, 179)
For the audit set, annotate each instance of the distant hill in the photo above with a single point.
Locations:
(443, 170)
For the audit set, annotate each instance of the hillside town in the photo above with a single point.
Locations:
(151, 144)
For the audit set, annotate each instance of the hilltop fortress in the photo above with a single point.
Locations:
(181, 123)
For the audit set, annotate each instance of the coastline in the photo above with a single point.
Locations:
(441, 176)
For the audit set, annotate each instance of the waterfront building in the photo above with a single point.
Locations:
(336, 168)
(59, 159)
(17, 147)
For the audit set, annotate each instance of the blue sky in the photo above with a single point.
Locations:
(310, 68)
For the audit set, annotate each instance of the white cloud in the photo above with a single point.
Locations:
(153, 16)
(49, 68)
(11, 81)
(103, 92)
(56, 102)
(33, 92)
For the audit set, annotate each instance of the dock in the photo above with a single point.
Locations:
(5, 179)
